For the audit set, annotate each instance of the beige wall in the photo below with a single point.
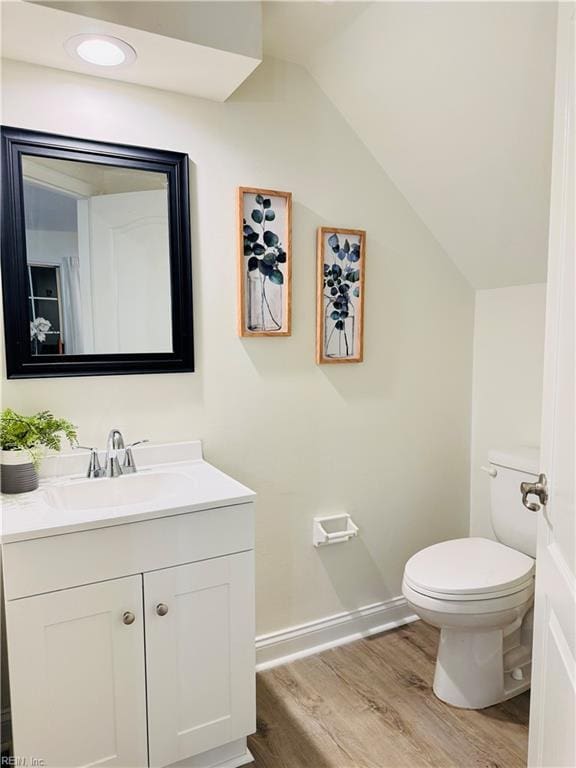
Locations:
(507, 388)
(387, 440)
(439, 92)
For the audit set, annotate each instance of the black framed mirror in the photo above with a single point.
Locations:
(96, 263)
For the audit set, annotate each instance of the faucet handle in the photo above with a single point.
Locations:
(94, 467)
(129, 465)
(137, 442)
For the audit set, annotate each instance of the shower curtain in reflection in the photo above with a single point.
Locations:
(71, 305)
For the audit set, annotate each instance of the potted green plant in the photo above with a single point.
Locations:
(23, 440)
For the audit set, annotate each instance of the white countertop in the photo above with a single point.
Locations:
(193, 484)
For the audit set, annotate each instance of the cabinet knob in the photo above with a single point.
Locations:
(128, 617)
(161, 609)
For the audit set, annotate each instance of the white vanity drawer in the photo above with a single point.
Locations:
(46, 564)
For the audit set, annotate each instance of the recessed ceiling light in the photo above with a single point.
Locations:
(102, 50)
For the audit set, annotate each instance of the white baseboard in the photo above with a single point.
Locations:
(293, 643)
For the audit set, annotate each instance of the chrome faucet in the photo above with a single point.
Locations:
(114, 444)
(112, 466)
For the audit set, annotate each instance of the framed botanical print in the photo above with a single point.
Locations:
(264, 262)
(340, 295)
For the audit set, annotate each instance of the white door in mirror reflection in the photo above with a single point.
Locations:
(98, 257)
(125, 273)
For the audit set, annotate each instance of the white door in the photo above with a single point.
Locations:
(553, 711)
(77, 676)
(129, 277)
(200, 656)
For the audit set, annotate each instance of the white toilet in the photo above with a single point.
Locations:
(480, 593)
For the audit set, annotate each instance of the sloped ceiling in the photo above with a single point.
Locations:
(454, 100)
(294, 30)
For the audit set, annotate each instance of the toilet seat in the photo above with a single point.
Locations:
(464, 607)
(470, 569)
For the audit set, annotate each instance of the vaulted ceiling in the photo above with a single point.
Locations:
(454, 100)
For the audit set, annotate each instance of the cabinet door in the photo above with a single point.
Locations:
(77, 676)
(199, 656)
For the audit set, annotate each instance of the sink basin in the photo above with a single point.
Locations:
(124, 491)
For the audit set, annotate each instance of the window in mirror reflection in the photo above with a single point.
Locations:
(98, 258)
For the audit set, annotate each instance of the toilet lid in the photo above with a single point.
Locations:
(471, 566)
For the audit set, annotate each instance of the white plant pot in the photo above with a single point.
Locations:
(17, 472)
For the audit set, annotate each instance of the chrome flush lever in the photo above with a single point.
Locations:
(535, 489)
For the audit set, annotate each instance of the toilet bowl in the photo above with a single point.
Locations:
(480, 594)
(477, 592)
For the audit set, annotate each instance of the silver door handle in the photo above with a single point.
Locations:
(539, 489)
(128, 617)
(161, 609)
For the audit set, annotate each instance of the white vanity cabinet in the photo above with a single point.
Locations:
(132, 644)
(205, 638)
(78, 686)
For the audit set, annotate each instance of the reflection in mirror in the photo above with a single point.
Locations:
(98, 258)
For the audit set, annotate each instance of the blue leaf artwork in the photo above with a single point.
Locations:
(265, 262)
(340, 295)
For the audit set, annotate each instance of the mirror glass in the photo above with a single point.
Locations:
(98, 258)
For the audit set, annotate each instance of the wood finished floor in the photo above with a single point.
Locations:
(370, 705)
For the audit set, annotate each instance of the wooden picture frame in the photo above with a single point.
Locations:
(341, 257)
(264, 262)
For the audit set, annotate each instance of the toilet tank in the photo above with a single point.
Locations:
(513, 524)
